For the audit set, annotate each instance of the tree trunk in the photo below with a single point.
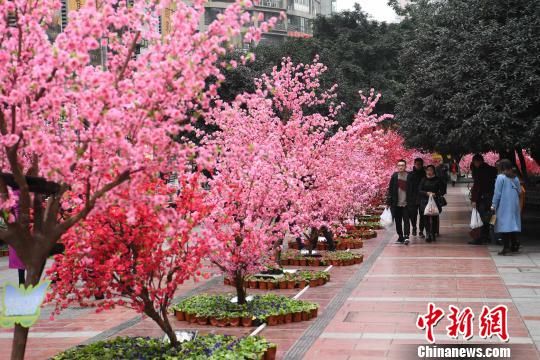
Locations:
(167, 328)
(240, 288)
(20, 333)
(162, 321)
(329, 236)
(313, 239)
(523, 165)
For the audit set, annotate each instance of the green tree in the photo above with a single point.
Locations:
(360, 54)
(472, 76)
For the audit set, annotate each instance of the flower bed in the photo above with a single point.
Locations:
(218, 310)
(341, 244)
(368, 218)
(202, 347)
(369, 225)
(289, 281)
(336, 258)
(362, 233)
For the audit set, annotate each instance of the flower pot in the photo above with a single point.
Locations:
(283, 284)
(306, 315)
(297, 316)
(270, 353)
(202, 320)
(252, 284)
(293, 262)
(262, 285)
(313, 283)
(187, 317)
(222, 322)
(288, 318)
(281, 319)
(321, 281)
(193, 319)
(180, 315)
(284, 262)
(235, 321)
(247, 321)
(302, 262)
(314, 313)
(271, 285)
(291, 284)
(213, 321)
(272, 320)
(302, 284)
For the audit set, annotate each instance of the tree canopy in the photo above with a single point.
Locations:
(360, 54)
(472, 75)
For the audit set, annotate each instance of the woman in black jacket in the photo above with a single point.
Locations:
(430, 185)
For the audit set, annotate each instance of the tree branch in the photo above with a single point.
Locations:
(91, 202)
(122, 71)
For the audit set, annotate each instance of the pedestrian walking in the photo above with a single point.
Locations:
(507, 207)
(415, 215)
(398, 198)
(431, 185)
(484, 177)
(454, 168)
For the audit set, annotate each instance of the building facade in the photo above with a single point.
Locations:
(300, 15)
(298, 23)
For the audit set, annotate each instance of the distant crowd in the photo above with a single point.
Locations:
(416, 199)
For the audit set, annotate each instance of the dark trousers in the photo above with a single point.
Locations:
(401, 217)
(21, 277)
(432, 225)
(510, 240)
(415, 214)
(329, 236)
(484, 208)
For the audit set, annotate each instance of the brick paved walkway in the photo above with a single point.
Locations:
(379, 316)
(367, 311)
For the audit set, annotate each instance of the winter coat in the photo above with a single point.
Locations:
(392, 192)
(416, 177)
(433, 185)
(506, 204)
(484, 181)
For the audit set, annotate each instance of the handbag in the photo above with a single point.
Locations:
(441, 201)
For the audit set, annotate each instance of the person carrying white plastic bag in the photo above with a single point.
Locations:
(430, 187)
(431, 207)
(476, 219)
(386, 218)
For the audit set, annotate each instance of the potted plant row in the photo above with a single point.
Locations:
(288, 281)
(361, 233)
(210, 346)
(341, 244)
(336, 258)
(218, 310)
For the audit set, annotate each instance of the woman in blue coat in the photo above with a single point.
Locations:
(506, 207)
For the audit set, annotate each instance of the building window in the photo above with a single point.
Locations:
(210, 15)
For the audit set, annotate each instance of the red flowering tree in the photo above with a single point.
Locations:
(133, 257)
(72, 132)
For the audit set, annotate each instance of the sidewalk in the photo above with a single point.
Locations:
(367, 311)
(379, 316)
